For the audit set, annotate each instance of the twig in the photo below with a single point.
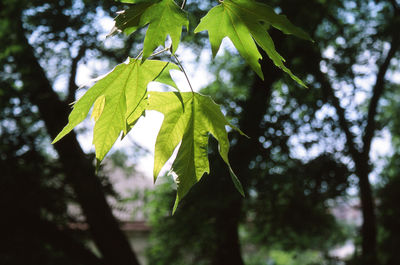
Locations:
(72, 87)
(161, 51)
(183, 4)
(377, 94)
(183, 70)
(140, 54)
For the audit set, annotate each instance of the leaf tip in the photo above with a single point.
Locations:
(301, 83)
(59, 137)
(239, 131)
(236, 182)
(259, 73)
(154, 179)
(243, 134)
(175, 204)
(98, 162)
(114, 31)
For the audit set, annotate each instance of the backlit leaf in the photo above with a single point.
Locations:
(98, 107)
(162, 17)
(189, 119)
(244, 22)
(122, 98)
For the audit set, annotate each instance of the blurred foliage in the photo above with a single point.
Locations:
(302, 162)
(286, 206)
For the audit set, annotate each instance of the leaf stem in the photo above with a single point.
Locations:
(183, 70)
(161, 51)
(140, 54)
(154, 54)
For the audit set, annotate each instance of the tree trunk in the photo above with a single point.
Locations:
(368, 228)
(228, 250)
(78, 167)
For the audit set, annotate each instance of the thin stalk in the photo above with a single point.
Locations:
(154, 54)
(161, 51)
(183, 70)
(140, 54)
(183, 4)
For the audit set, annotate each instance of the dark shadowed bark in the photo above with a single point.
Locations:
(61, 239)
(228, 249)
(78, 167)
(369, 228)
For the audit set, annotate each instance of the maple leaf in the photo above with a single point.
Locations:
(119, 101)
(163, 17)
(189, 118)
(245, 23)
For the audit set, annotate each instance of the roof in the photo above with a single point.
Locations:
(133, 226)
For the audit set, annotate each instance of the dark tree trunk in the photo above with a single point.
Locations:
(228, 245)
(228, 250)
(369, 226)
(79, 169)
(62, 240)
(368, 229)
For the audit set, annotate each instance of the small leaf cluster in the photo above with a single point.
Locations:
(121, 97)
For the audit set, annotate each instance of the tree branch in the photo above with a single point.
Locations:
(377, 94)
(72, 76)
(396, 6)
(343, 122)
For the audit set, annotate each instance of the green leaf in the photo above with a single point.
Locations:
(163, 17)
(173, 126)
(138, 112)
(244, 22)
(189, 118)
(119, 100)
(128, 21)
(98, 107)
(267, 14)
